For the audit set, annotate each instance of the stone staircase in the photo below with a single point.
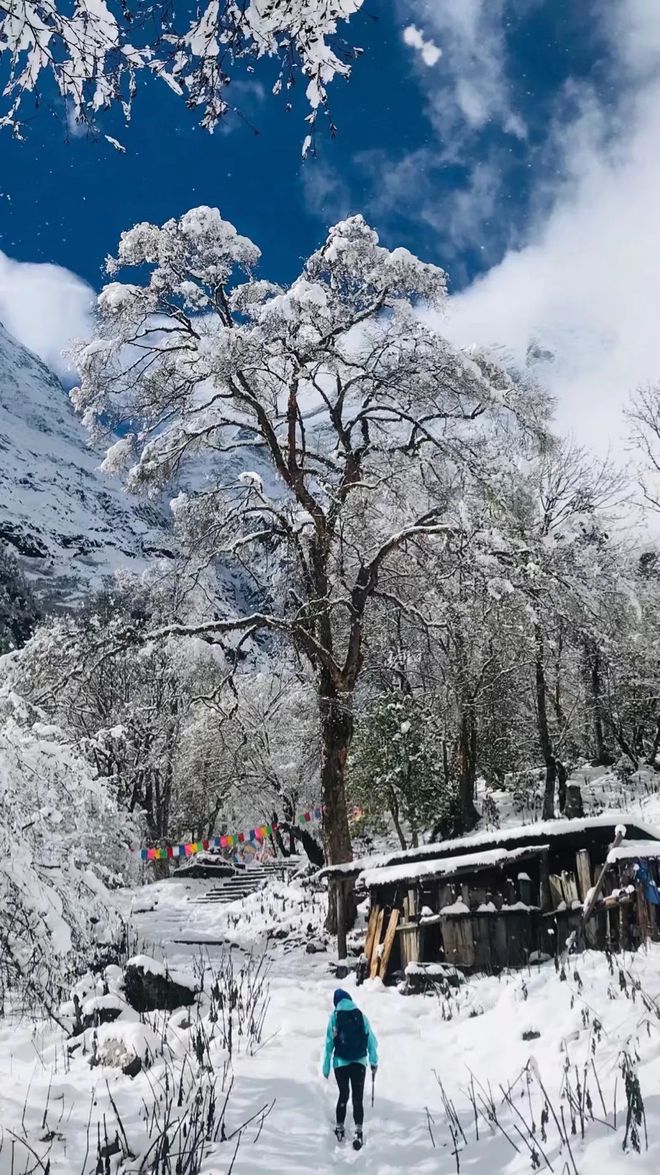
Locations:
(247, 881)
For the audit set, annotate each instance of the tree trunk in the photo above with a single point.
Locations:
(336, 721)
(601, 757)
(562, 776)
(543, 729)
(276, 839)
(394, 812)
(336, 733)
(467, 767)
(315, 853)
(656, 743)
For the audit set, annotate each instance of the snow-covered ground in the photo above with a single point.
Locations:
(529, 1070)
(492, 1039)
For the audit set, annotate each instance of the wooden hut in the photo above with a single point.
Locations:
(510, 897)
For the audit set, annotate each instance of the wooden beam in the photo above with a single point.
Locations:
(374, 959)
(583, 869)
(389, 940)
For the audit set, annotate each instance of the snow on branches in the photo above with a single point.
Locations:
(94, 51)
(359, 419)
(62, 840)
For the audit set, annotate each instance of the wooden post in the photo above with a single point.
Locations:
(624, 936)
(374, 960)
(585, 882)
(588, 908)
(545, 901)
(389, 940)
(643, 915)
(583, 869)
(601, 880)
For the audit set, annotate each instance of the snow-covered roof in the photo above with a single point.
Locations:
(632, 849)
(448, 866)
(497, 837)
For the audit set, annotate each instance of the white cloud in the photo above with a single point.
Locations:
(586, 286)
(427, 49)
(45, 307)
(472, 85)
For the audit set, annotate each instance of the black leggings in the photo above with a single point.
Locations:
(352, 1075)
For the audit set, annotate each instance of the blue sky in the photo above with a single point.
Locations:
(66, 198)
(521, 159)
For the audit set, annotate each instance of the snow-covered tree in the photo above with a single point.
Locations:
(137, 713)
(93, 52)
(19, 610)
(63, 841)
(332, 418)
(563, 569)
(397, 766)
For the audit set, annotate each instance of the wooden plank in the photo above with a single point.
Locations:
(481, 935)
(371, 930)
(409, 935)
(499, 939)
(389, 940)
(569, 886)
(556, 890)
(458, 940)
(583, 867)
(374, 958)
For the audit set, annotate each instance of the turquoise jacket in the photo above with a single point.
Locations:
(337, 1062)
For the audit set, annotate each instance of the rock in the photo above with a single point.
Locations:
(132, 1067)
(148, 990)
(315, 948)
(531, 1034)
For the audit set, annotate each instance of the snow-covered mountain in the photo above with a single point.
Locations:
(70, 525)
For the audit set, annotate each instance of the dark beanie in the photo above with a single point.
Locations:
(340, 995)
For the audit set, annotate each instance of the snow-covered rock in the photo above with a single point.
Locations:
(70, 524)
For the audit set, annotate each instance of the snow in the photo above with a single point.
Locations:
(458, 907)
(476, 1030)
(447, 866)
(538, 830)
(633, 849)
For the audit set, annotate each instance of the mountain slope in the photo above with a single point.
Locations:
(70, 525)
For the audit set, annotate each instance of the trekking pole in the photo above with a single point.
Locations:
(373, 1084)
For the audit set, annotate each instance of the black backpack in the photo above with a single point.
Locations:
(350, 1036)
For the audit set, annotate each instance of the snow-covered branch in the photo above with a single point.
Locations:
(94, 52)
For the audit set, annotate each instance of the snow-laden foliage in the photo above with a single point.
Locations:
(142, 714)
(63, 843)
(399, 765)
(94, 52)
(340, 432)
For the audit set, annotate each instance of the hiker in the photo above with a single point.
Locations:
(351, 1045)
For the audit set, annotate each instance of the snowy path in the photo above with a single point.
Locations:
(484, 1035)
(298, 1134)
